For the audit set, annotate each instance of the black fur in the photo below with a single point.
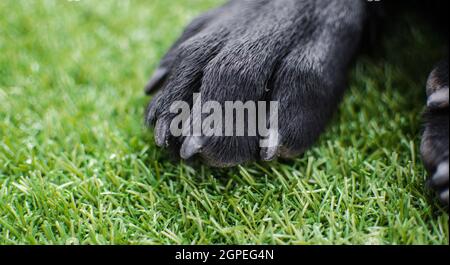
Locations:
(435, 140)
(293, 51)
(296, 52)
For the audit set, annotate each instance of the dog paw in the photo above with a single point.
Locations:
(289, 52)
(435, 140)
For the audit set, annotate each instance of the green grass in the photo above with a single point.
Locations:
(77, 165)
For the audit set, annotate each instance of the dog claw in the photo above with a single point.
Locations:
(156, 80)
(441, 176)
(191, 146)
(161, 133)
(271, 152)
(439, 182)
(439, 99)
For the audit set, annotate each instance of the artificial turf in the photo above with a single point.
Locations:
(78, 166)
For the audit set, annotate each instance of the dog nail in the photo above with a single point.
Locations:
(191, 146)
(441, 176)
(270, 152)
(439, 99)
(161, 131)
(156, 80)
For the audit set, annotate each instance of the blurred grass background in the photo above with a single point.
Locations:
(77, 165)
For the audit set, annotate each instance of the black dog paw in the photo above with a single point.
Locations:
(292, 52)
(435, 141)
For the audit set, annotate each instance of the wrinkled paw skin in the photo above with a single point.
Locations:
(435, 140)
(293, 52)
